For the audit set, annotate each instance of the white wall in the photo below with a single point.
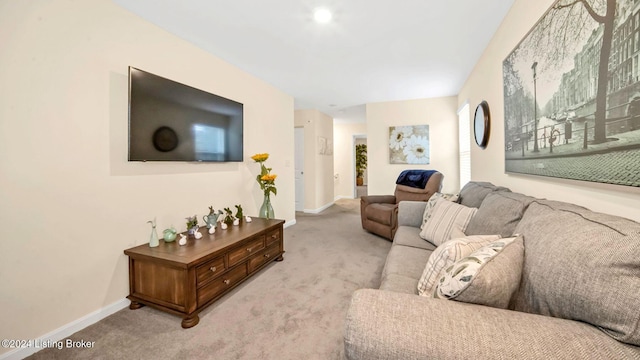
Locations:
(344, 157)
(439, 114)
(70, 202)
(318, 168)
(485, 82)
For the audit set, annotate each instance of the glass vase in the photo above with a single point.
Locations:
(153, 239)
(266, 210)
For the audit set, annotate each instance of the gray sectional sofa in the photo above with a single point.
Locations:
(578, 296)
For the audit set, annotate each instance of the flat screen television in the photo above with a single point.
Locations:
(170, 121)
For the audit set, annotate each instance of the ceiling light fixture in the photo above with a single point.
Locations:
(322, 15)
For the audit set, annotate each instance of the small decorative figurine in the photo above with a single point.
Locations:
(212, 219)
(197, 234)
(239, 214)
(192, 224)
(236, 222)
(153, 239)
(223, 226)
(247, 218)
(183, 240)
(228, 219)
(212, 229)
(169, 235)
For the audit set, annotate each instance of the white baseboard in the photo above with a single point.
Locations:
(319, 210)
(289, 223)
(65, 331)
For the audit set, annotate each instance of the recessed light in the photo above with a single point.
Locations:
(322, 15)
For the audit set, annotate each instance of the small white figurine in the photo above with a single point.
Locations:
(236, 221)
(183, 240)
(212, 230)
(197, 234)
(247, 218)
(223, 226)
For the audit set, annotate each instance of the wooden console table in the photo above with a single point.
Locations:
(183, 280)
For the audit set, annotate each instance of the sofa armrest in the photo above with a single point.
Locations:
(372, 199)
(410, 213)
(388, 325)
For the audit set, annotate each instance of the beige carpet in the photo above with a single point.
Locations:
(293, 309)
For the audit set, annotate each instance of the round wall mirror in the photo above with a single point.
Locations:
(482, 124)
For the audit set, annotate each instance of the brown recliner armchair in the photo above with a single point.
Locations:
(379, 213)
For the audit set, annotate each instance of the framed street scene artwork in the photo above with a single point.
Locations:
(572, 94)
(409, 144)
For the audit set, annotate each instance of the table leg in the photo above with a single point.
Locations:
(190, 321)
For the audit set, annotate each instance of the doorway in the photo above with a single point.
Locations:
(359, 182)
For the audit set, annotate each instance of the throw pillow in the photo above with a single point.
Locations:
(474, 192)
(446, 255)
(448, 220)
(488, 276)
(499, 213)
(428, 209)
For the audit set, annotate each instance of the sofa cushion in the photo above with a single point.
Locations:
(446, 255)
(488, 276)
(383, 325)
(448, 220)
(428, 209)
(474, 192)
(406, 261)
(410, 236)
(410, 213)
(583, 266)
(499, 213)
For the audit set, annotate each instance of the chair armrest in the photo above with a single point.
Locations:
(389, 325)
(410, 213)
(371, 199)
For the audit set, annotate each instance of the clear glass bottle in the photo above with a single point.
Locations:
(153, 239)
(266, 210)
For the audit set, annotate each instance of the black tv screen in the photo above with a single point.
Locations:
(169, 121)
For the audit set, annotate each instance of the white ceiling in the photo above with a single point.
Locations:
(371, 51)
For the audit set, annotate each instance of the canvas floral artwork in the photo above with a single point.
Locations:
(409, 144)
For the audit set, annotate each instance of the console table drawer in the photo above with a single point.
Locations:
(221, 284)
(272, 237)
(265, 256)
(210, 269)
(249, 248)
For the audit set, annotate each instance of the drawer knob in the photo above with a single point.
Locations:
(213, 269)
(226, 281)
(249, 249)
(274, 236)
(266, 255)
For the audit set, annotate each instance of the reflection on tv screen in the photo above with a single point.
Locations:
(169, 121)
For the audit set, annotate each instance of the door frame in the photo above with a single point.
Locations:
(298, 135)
